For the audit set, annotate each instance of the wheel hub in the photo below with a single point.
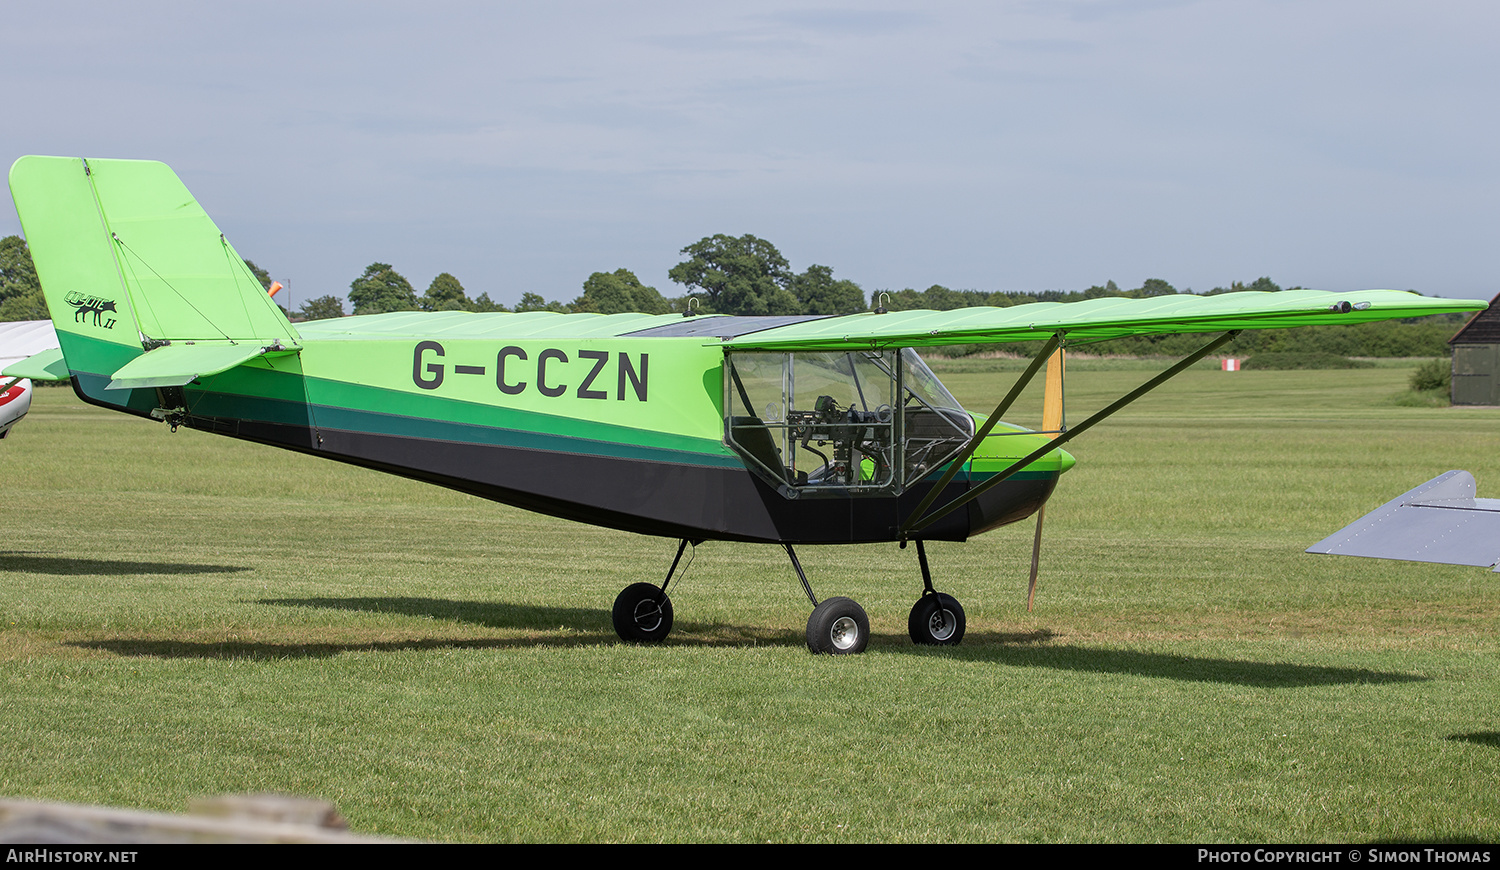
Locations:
(941, 625)
(845, 632)
(648, 615)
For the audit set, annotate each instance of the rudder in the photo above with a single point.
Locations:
(129, 263)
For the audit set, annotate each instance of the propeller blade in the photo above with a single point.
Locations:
(1036, 555)
(1053, 421)
(1053, 424)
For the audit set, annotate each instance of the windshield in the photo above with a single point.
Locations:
(936, 425)
(826, 423)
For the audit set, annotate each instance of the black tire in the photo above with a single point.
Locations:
(838, 627)
(936, 620)
(642, 614)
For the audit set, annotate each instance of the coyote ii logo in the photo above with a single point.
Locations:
(84, 305)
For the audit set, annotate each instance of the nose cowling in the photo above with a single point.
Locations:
(1024, 492)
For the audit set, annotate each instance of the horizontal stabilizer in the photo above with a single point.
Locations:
(48, 365)
(1440, 521)
(178, 364)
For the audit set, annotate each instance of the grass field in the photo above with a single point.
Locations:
(187, 615)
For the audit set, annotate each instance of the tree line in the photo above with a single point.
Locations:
(747, 275)
(722, 274)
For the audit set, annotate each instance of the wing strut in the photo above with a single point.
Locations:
(921, 520)
(989, 424)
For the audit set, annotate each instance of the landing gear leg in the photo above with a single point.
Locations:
(837, 626)
(643, 612)
(937, 619)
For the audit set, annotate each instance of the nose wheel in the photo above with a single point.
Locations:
(937, 619)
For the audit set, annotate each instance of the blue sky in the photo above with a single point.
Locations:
(993, 146)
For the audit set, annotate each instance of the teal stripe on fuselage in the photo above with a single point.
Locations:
(353, 420)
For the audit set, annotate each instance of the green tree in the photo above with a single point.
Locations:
(1096, 291)
(619, 292)
(31, 306)
(1264, 285)
(445, 294)
(485, 303)
(534, 302)
(1435, 374)
(260, 274)
(381, 289)
(818, 293)
(17, 272)
(20, 292)
(322, 308)
(1154, 287)
(940, 298)
(744, 275)
(905, 299)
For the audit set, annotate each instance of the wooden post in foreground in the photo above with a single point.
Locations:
(255, 818)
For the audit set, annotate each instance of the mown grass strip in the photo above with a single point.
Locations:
(189, 615)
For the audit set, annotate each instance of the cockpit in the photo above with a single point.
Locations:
(840, 423)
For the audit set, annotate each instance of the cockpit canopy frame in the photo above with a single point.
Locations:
(840, 423)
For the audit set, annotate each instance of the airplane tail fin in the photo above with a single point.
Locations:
(142, 287)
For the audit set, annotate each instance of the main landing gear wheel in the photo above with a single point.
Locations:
(838, 627)
(936, 620)
(643, 613)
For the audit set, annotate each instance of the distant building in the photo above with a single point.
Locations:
(1476, 359)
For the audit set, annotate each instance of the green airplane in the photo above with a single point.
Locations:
(782, 430)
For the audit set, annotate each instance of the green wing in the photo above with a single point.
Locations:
(1098, 319)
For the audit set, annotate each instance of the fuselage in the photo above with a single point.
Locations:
(632, 429)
